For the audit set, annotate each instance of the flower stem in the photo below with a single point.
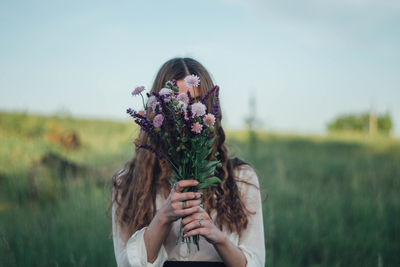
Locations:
(144, 106)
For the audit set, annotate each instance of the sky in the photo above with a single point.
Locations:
(305, 62)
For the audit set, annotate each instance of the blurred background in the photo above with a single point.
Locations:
(309, 93)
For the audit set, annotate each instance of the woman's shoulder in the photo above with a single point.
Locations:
(244, 171)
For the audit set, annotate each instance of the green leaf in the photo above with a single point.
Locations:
(202, 185)
(213, 179)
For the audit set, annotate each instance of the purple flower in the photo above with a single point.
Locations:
(158, 120)
(198, 109)
(192, 81)
(138, 90)
(197, 127)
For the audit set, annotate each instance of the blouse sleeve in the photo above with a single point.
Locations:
(134, 253)
(252, 240)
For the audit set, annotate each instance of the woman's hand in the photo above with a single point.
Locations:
(173, 208)
(207, 228)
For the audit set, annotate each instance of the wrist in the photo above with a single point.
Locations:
(221, 240)
(162, 219)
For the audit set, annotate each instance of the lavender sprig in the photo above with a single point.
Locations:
(215, 105)
(206, 96)
(144, 123)
(151, 149)
(169, 121)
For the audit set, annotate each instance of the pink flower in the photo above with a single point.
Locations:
(198, 109)
(197, 127)
(209, 119)
(158, 120)
(138, 90)
(192, 81)
(183, 97)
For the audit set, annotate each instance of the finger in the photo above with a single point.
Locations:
(198, 231)
(184, 183)
(192, 217)
(191, 203)
(192, 225)
(188, 211)
(185, 196)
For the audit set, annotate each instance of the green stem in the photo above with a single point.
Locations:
(144, 106)
(194, 93)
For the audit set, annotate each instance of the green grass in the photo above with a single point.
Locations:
(332, 200)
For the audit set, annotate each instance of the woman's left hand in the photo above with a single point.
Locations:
(208, 229)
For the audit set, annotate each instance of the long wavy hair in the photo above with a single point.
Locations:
(135, 186)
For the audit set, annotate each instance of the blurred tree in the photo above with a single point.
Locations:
(366, 122)
(252, 123)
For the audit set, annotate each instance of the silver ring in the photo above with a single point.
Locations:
(200, 222)
(201, 205)
(174, 185)
(183, 204)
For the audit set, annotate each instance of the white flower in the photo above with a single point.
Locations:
(165, 91)
(198, 109)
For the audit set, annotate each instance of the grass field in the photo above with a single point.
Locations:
(332, 201)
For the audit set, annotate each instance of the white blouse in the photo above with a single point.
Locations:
(251, 242)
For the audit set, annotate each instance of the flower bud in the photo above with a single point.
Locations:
(211, 128)
(169, 84)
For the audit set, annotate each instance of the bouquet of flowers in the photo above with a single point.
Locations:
(184, 133)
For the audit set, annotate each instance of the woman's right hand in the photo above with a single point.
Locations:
(172, 208)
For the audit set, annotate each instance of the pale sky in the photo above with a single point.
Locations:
(306, 61)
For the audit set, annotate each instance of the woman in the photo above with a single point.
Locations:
(147, 213)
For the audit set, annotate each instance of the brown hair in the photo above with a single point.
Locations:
(135, 187)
